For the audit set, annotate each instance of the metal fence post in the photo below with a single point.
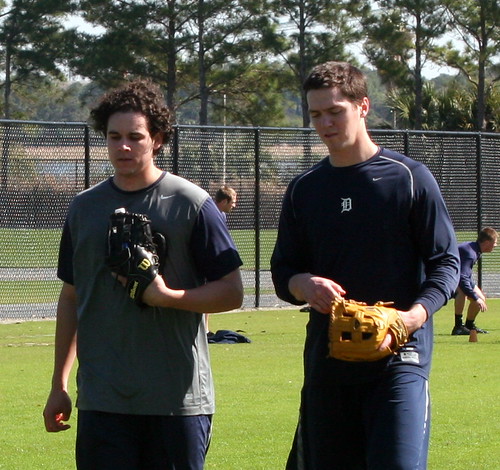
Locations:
(479, 173)
(257, 215)
(86, 143)
(175, 150)
(4, 172)
(406, 142)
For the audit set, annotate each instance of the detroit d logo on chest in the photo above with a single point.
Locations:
(345, 204)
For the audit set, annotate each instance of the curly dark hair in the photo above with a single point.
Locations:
(141, 96)
(348, 79)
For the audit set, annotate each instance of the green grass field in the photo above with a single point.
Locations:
(257, 387)
(29, 248)
(42, 252)
(38, 248)
(33, 248)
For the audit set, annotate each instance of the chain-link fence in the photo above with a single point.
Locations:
(43, 165)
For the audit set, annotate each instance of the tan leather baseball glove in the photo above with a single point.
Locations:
(357, 330)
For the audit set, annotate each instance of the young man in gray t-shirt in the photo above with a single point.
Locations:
(145, 391)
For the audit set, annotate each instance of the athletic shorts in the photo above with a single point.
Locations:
(109, 441)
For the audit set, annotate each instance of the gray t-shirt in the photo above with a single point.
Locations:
(149, 361)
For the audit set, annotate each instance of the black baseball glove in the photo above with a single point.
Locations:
(134, 251)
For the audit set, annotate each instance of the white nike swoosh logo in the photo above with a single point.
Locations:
(376, 179)
(166, 197)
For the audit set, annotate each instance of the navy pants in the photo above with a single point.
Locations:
(109, 441)
(382, 425)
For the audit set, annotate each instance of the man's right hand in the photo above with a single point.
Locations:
(319, 292)
(57, 410)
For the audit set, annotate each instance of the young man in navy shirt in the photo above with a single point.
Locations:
(470, 252)
(368, 224)
(225, 199)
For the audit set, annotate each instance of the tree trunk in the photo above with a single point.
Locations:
(418, 74)
(302, 65)
(171, 59)
(7, 84)
(481, 80)
(203, 115)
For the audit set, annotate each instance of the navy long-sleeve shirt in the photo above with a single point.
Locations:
(381, 230)
(469, 253)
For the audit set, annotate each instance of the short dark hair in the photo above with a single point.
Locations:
(487, 234)
(348, 79)
(225, 193)
(141, 96)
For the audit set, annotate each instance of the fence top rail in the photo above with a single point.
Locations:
(264, 128)
(43, 123)
(437, 133)
(246, 128)
(374, 131)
